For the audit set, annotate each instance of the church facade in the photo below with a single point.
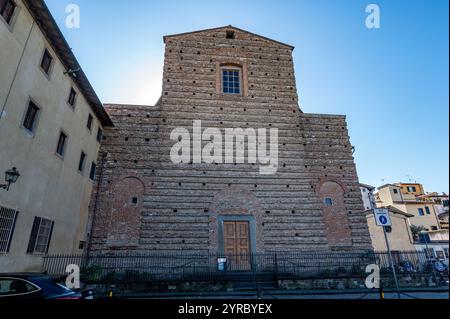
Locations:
(226, 78)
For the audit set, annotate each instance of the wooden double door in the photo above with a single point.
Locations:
(237, 244)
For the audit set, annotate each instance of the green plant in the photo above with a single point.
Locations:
(416, 230)
(91, 273)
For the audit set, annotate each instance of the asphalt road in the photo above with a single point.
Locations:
(277, 295)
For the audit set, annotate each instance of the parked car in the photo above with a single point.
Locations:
(38, 286)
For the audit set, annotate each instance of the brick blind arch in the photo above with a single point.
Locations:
(331, 195)
(125, 214)
(235, 201)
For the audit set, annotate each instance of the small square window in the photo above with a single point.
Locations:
(46, 62)
(81, 162)
(134, 200)
(60, 149)
(328, 201)
(7, 8)
(89, 122)
(30, 120)
(72, 96)
(81, 244)
(230, 35)
(411, 189)
(395, 191)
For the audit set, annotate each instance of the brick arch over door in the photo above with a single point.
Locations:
(331, 194)
(236, 203)
(125, 215)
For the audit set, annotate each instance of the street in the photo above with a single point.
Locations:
(277, 294)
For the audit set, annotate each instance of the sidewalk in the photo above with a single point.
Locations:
(406, 293)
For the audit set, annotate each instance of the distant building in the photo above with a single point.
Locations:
(367, 196)
(443, 220)
(406, 197)
(399, 234)
(435, 243)
(51, 124)
(440, 206)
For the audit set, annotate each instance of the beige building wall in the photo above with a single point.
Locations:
(387, 195)
(400, 238)
(429, 221)
(393, 195)
(49, 186)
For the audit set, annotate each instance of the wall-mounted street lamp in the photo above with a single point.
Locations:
(11, 176)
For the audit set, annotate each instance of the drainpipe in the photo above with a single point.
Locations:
(16, 71)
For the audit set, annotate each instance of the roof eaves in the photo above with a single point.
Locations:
(40, 12)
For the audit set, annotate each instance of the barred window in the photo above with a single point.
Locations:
(8, 219)
(41, 234)
(231, 81)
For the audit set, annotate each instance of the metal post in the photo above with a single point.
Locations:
(431, 260)
(391, 262)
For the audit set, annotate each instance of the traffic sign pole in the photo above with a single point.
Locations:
(391, 262)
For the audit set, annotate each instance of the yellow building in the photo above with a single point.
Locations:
(399, 234)
(406, 197)
(50, 129)
(414, 189)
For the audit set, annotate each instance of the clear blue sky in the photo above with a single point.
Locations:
(392, 82)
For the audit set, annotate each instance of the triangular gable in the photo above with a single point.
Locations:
(228, 27)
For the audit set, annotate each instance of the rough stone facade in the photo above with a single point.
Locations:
(179, 206)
